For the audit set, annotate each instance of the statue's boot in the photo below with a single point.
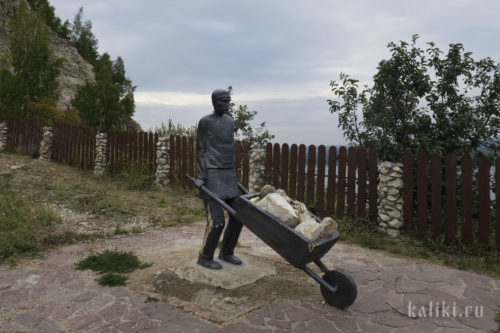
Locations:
(230, 258)
(208, 261)
(229, 241)
(206, 256)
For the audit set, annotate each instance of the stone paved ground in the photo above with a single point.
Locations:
(49, 295)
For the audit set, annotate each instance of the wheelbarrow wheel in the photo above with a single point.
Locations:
(346, 290)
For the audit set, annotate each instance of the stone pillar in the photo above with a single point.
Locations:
(3, 136)
(390, 212)
(257, 169)
(46, 144)
(100, 153)
(162, 162)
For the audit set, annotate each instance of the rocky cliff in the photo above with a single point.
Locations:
(75, 69)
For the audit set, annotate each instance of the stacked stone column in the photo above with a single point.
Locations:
(162, 162)
(257, 170)
(3, 136)
(46, 144)
(390, 212)
(100, 153)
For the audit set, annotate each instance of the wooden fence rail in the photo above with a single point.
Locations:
(131, 150)
(350, 177)
(459, 197)
(74, 145)
(24, 135)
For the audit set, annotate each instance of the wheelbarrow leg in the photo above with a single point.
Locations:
(321, 265)
(318, 279)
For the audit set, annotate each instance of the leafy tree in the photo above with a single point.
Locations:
(47, 12)
(422, 100)
(108, 102)
(256, 137)
(83, 39)
(28, 72)
(126, 89)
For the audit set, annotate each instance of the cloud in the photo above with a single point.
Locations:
(182, 98)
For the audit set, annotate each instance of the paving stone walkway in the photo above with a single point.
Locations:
(394, 295)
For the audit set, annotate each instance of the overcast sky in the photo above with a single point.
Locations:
(279, 56)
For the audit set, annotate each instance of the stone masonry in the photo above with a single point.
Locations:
(46, 144)
(390, 212)
(3, 136)
(162, 162)
(100, 153)
(257, 168)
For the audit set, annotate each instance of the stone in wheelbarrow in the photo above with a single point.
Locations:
(277, 205)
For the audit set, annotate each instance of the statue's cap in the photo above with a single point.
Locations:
(220, 93)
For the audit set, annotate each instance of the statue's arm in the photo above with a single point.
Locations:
(201, 168)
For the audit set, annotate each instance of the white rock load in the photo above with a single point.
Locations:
(294, 214)
(277, 205)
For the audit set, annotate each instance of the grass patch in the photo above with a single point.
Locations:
(117, 197)
(135, 178)
(184, 213)
(150, 299)
(112, 265)
(25, 227)
(112, 280)
(474, 258)
(111, 262)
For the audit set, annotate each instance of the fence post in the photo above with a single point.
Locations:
(100, 153)
(390, 213)
(46, 144)
(257, 175)
(162, 162)
(3, 136)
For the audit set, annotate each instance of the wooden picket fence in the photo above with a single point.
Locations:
(183, 160)
(24, 135)
(351, 179)
(73, 145)
(458, 197)
(127, 150)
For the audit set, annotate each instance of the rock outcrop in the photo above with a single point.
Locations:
(75, 70)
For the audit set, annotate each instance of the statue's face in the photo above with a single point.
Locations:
(221, 105)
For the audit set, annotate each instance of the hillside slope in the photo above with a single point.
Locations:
(75, 69)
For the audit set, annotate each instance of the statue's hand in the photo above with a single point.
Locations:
(198, 182)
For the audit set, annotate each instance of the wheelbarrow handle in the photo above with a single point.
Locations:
(242, 188)
(205, 190)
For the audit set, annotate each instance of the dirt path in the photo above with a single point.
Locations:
(49, 295)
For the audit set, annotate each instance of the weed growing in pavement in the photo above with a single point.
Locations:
(112, 280)
(112, 265)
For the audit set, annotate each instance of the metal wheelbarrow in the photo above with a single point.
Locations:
(337, 287)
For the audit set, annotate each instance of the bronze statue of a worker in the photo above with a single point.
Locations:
(215, 170)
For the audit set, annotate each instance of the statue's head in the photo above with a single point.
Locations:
(220, 101)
